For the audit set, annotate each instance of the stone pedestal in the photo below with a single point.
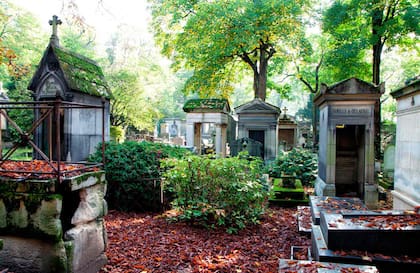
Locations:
(49, 227)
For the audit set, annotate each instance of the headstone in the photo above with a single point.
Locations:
(389, 161)
(287, 131)
(406, 194)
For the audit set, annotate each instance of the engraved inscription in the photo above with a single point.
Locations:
(351, 111)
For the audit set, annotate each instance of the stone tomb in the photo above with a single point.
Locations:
(50, 227)
(258, 119)
(368, 238)
(63, 75)
(346, 156)
(287, 132)
(287, 266)
(406, 194)
(210, 111)
(329, 204)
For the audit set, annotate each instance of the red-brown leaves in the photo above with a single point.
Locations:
(38, 169)
(143, 243)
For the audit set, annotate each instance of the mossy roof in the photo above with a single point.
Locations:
(80, 73)
(207, 105)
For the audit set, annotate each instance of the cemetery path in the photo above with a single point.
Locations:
(140, 242)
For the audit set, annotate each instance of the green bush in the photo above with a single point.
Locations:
(298, 161)
(217, 191)
(133, 173)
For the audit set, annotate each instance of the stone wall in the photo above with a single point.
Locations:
(46, 227)
(406, 194)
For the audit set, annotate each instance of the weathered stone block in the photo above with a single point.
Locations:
(27, 255)
(86, 245)
(91, 206)
(47, 218)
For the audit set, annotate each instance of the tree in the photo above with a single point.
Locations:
(129, 107)
(215, 39)
(378, 24)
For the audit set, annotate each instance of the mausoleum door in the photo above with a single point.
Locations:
(350, 160)
(258, 135)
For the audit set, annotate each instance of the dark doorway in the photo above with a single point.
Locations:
(258, 135)
(350, 160)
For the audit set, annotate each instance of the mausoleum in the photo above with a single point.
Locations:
(257, 120)
(346, 140)
(406, 194)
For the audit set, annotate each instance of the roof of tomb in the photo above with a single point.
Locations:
(76, 72)
(412, 85)
(207, 105)
(79, 73)
(349, 89)
(257, 105)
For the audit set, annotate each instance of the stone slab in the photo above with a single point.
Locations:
(333, 204)
(286, 266)
(385, 264)
(304, 219)
(391, 233)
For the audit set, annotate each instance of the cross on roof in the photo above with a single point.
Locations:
(54, 22)
(285, 110)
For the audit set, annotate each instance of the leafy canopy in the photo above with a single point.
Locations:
(216, 39)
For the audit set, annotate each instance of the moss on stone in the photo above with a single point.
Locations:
(69, 246)
(19, 218)
(1, 244)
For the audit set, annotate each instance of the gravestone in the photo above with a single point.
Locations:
(253, 147)
(257, 119)
(406, 194)
(346, 159)
(389, 161)
(69, 78)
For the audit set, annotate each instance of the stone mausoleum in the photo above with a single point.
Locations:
(66, 76)
(406, 193)
(51, 218)
(346, 140)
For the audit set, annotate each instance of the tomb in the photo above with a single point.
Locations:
(51, 212)
(287, 266)
(346, 140)
(203, 114)
(287, 132)
(406, 193)
(258, 119)
(65, 76)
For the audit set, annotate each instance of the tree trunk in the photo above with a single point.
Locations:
(377, 21)
(262, 77)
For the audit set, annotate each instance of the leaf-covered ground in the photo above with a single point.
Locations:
(149, 243)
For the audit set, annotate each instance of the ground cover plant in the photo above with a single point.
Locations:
(300, 162)
(144, 242)
(213, 192)
(133, 173)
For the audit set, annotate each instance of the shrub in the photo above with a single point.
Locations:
(133, 173)
(217, 192)
(298, 161)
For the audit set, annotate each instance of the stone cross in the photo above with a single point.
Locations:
(285, 111)
(54, 22)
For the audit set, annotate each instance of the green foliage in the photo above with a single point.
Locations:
(301, 162)
(217, 192)
(213, 38)
(130, 107)
(133, 173)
